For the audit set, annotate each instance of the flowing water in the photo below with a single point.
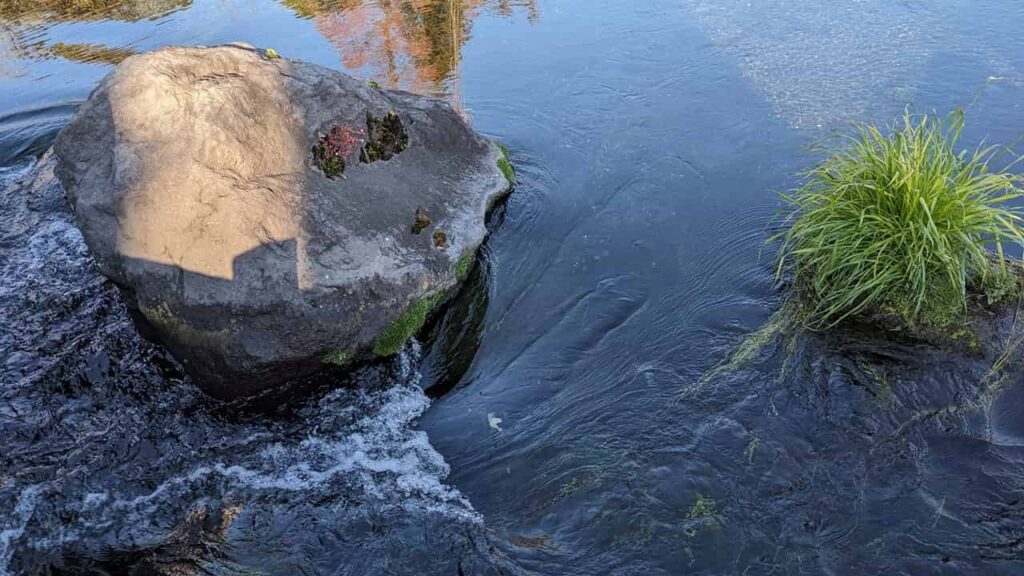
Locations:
(566, 417)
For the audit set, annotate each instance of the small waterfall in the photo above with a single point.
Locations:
(109, 457)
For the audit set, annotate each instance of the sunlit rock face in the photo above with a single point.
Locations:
(258, 213)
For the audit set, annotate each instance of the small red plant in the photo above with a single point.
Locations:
(330, 152)
(342, 139)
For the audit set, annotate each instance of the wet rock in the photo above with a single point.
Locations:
(420, 221)
(222, 191)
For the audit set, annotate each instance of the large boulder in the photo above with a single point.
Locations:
(264, 217)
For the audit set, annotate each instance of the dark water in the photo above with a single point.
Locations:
(573, 420)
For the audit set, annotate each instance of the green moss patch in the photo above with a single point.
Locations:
(440, 239)
(463, 266)
(337, 358)
(408, 324)
(386, 137)
(420, 221)
(505, 165)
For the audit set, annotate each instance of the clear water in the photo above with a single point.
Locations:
(650, 140)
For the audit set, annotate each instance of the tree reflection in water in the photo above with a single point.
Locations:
(412, 45)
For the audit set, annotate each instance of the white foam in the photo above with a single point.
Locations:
(15, 523)
(359, 442)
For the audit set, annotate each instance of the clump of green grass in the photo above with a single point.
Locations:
(900, 222)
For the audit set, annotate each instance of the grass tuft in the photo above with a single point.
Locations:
(901, 223)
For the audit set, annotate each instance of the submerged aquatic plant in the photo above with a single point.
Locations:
(900, 222)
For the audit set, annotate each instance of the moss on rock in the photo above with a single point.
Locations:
(160, 316)
(386, 137)
(421, 220)
(440, 239)
(463, 266)
(337, 358)
(505, 165)
(391, 340)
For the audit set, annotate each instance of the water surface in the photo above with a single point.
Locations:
(650, 141)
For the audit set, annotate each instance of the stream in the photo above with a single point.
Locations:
(613, 393)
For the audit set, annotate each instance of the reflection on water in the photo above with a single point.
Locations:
(23, 24)
(53, 11)
(413, 45)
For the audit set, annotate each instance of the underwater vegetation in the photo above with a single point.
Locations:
(901, 222)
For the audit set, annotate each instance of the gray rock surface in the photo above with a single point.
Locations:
(195, 183)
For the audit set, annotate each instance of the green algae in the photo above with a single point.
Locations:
(505, 165)
(160, 316)
(391, 340)
(337, 358)
(421, 220)
(880, 387)
(440, 239)
(463, 265)
(703, 511)
(752, 448)
(704, 508)
(782, 321)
